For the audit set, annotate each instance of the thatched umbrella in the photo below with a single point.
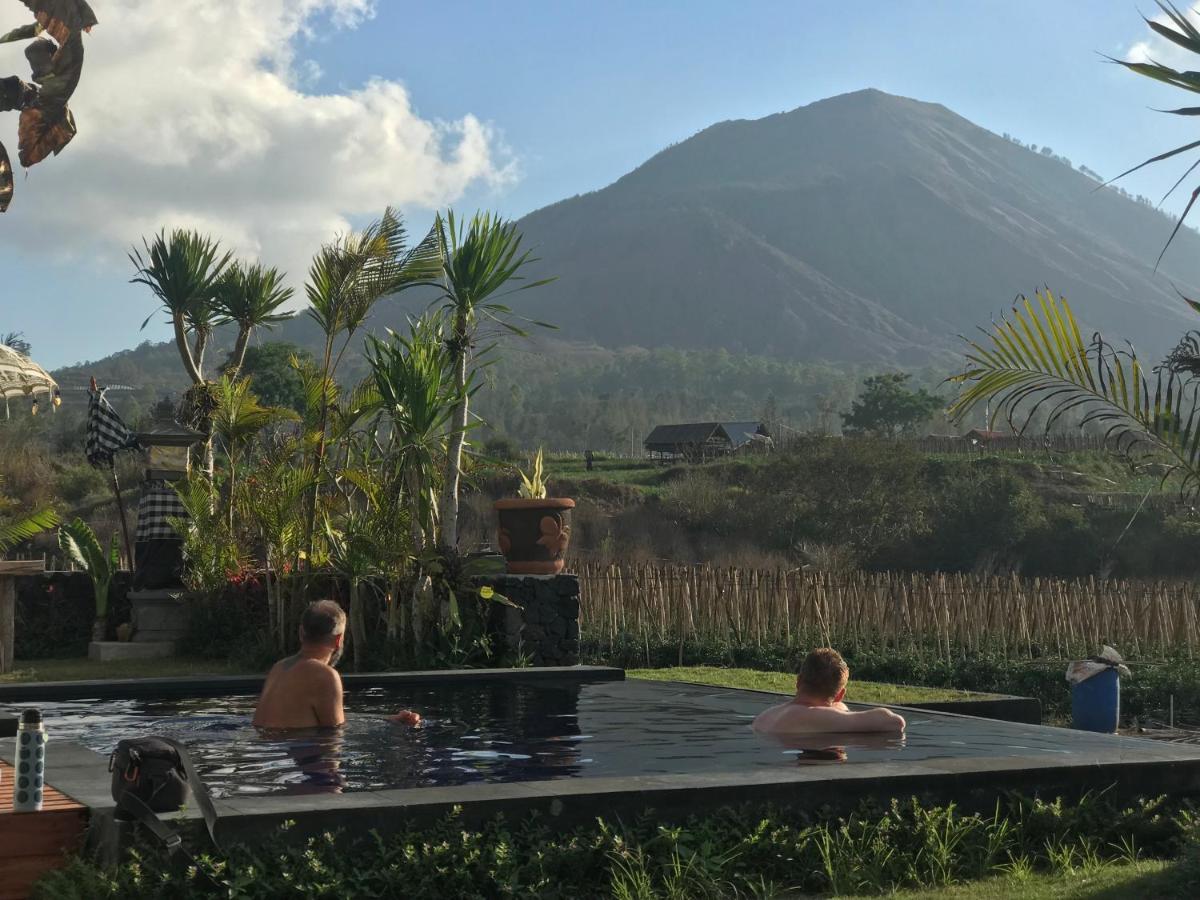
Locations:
(20, 376)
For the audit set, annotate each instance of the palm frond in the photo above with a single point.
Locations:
(1035, 360)
(25, 528)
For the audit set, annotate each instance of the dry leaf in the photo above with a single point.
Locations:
(62, 18)
(6, 180)
(42, 132)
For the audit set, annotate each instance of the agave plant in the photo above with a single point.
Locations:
(80, 545)
(1037, 360)
(533, 485)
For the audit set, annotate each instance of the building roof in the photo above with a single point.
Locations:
(738, 434)
(695, 433)
(742, 433)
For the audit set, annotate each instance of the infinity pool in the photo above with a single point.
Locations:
(506, 731)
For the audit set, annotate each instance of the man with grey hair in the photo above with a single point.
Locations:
(305, 690)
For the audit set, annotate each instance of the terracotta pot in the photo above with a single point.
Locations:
(534, 534)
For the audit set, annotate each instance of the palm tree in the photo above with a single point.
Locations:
(15, 340)
(347, 278)
(411, 384)
(411, 387)
(183, 270)
(479, 260)
(249, 295)
(237, 419)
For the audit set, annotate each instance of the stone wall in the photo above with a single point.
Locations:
(545, 628)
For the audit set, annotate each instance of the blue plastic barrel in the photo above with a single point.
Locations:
(1096, 703)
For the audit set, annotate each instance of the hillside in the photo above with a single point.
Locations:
(864, 231)
(862, 227)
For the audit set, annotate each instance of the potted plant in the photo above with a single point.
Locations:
(534, 530)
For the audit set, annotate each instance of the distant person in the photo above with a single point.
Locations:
(817, 707)
(305, 690)
(588, 459)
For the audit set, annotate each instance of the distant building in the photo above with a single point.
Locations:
(705, 440)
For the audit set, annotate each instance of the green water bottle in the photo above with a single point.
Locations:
(29, 778)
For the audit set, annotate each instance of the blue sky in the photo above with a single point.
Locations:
(570, 94)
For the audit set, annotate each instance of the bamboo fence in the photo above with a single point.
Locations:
(678, 605)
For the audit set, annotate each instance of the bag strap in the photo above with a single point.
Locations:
(199, 789)
(170, 838)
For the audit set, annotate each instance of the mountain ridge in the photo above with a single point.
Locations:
(863, 229)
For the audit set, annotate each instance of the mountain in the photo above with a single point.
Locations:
(864, 227)
(865, 230)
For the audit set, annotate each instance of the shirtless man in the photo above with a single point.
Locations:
(818, 708)
(305, 690)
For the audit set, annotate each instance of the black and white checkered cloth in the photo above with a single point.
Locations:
(158, 506)
(106, 433)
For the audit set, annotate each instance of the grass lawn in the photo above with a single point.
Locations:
(86, 670)
(1115, 881)
(752, 679)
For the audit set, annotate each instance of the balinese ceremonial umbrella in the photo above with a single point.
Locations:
(20, 376)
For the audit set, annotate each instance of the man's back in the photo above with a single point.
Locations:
(300, 693)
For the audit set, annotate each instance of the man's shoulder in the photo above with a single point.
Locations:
(317, 671)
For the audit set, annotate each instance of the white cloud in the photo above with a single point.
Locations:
(1154, 48)
(194, 113)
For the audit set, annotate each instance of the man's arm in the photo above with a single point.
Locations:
(327, 702)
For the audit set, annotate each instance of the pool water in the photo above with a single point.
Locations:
(513, 731)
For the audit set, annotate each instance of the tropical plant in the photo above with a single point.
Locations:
(533, 485)
(15, 340)
(411, 384)
(211, 549)
(480, 260)
(250, 296)
(353, 555)
(183, 270)
(17, 525)
(1179, 30)
(1037, 360)
(80, 545)
(237, 419)
(346, 279)
(277, 488)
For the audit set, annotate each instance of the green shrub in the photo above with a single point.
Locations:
(727, 854)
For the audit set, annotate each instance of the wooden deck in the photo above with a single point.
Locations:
(32, 844)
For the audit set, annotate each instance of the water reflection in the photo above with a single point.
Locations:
(815, 749)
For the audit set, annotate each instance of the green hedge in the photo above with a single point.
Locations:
(732, 854)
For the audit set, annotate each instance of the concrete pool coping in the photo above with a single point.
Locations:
(226, 685)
